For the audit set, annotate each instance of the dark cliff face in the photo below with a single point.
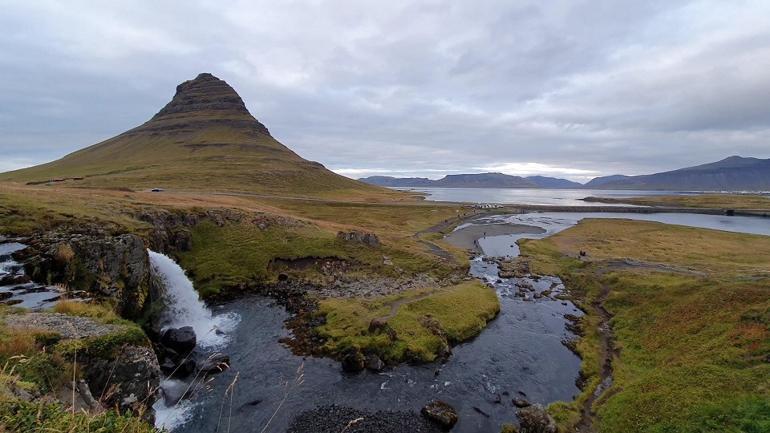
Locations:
(203, 102)
(103, 265)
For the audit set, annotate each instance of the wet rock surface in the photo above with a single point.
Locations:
(336, 419)
(180, 340)
(440, 413)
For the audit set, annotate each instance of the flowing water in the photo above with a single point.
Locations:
(16, 289)
(184, 308)
(520, 354)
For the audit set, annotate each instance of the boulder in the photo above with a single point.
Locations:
(214, 364)
(374, 363)
(129, 381)
(535, 419)
(520, 402)
(353, 361)
(181, 340)
(441, 413)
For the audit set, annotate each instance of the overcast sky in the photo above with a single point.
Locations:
(564, 88)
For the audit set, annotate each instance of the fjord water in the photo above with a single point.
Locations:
(533, 196)
(554, 222)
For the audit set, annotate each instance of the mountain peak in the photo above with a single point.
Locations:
(206, 96)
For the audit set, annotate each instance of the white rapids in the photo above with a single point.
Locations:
(183, 307)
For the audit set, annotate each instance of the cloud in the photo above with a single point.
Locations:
(425, 88)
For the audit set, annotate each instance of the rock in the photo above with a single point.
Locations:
(374, 363)
(9, 280)
(353, 361)
(378, 324)
(88, 258)
(178, 370)
(441, 413)
(509, 428)
(520, 402)
(368, 239)
(535, 419)
(129, 381)
(214, 364)
(181, 340)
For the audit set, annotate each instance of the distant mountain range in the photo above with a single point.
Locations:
(480, 180)
(735, 173)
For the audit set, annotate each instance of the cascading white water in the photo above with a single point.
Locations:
(184, 307)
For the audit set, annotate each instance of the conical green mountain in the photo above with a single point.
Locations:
(204, 139)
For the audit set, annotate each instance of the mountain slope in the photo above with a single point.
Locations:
(479, 180)
(730, 174)
(553, 182)
(204, 139)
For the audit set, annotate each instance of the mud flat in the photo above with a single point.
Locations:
(466, 236)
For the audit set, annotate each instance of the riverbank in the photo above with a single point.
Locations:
(688, 335)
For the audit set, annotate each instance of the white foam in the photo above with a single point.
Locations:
(184, 307)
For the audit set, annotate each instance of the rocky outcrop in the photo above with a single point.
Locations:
(101, 264)
(130, 380)
(441, 413)
(368, 239)
(180, 340)
(535, 419)
(116, 362)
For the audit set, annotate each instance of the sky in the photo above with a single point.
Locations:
(572, 89)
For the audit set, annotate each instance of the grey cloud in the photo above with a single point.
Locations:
(405, 87)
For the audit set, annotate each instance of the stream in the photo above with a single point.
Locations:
(519, 354)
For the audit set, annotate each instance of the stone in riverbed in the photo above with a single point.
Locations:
(353, 361)
(374, 363)
(535, 419)
(181, 340)
(441, 413)
(214, 364)
(520, 402)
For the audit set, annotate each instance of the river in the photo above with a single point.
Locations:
(519, 354)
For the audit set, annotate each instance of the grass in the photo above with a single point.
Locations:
(693, 333)
(712, 201)
(26, 417)
(460, 311)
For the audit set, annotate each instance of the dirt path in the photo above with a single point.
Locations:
(399, 302)
(608, 353)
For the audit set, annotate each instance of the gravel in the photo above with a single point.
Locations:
(336, 419)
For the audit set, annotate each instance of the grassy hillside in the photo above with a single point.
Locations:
(690, 317)
(204, 139)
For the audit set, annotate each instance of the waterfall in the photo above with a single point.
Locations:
(184, 307)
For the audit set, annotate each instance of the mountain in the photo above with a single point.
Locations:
(204, 139)
(553, 182)
(599, 182)
(480, 180)
(397, 181)
(735, 173)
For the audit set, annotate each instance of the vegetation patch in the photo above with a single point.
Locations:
(26, 417)
(690, 332)
(415, 325)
